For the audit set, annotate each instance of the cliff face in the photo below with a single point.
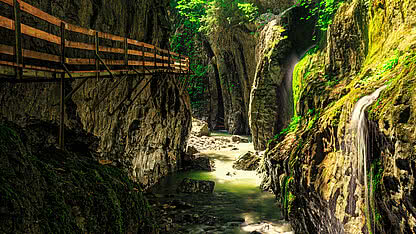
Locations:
(280, 45)
(234, 61)
(328, 180)
(146, 134)
(266, 106)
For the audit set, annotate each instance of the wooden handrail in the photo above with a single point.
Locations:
(158, 58)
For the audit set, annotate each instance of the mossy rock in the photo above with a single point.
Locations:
(62, 192)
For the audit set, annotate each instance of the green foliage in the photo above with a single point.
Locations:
(331, 81)
(227, 14)
(196, 17)
(375, 176)
(291, 128)
(391, 63)
(321, 10)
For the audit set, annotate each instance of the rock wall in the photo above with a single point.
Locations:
(234, 61)
(144, 132)
(281, 43)
(369, 44)
(265, 108)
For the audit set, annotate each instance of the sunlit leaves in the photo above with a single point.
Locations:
(323, 10)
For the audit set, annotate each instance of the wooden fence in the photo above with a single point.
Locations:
(81, 56)
(132, 54)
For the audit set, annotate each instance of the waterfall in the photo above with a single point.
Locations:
(357, 142)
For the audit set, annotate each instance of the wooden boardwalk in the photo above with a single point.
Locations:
(73, 52)
(133, 56)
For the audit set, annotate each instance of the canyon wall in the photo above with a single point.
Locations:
(141, 128)
(369, 44)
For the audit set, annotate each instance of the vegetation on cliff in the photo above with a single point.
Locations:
(368, 44)
(47, 190)
(195, 20)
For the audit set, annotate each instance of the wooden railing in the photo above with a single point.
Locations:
(92, 52)
(129, 55)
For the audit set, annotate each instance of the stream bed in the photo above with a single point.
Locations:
(237, 205)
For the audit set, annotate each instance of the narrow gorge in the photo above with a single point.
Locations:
(208, 116)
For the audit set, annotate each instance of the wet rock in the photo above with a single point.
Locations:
(191, 150)
(199, 164)
(248, 162)
(196, 186)
(238, 139)
(270, 109)
(199, 128)
(181, 204)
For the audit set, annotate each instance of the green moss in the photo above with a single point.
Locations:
(375, 176)
(63, 192)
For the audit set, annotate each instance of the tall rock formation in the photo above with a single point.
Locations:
(271, 102)
(279, 48)
(145, 135)
(234, 61)
(369, 44)
(232, 49)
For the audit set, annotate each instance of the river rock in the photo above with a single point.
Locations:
(238, 139)
(248, 162)
(196, 186)
(192, 150)
(199, 164)
(199, 128)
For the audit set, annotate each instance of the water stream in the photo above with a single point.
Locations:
(357, 145)
(237, 204)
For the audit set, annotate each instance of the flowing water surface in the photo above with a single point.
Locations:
(237, 204)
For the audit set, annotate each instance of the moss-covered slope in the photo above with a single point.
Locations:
(46, 190)
(370, 44)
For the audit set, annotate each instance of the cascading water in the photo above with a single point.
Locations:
(357, 143)
(286, 90)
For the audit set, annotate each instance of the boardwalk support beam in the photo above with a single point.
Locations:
(18, 40)
(62, 91)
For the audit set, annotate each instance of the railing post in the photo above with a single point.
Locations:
(143, 58)
(155, 56)
(126, 54)
(18, 40)
(62, 91)
(169, 57)
(180, 63)
(97, 62)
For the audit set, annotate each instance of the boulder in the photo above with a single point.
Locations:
(236, 138)
(196, 186)
(191, 150)
(199, 164)
(248, 162)
(199, 128)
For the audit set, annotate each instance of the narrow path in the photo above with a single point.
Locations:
(236, 206)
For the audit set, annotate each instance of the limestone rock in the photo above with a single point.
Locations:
(196, 186)
(234, 68)
(199, 128)
(271, 105)
(320, 181)
(199, 163)
(238, 139)
(191, 150)
(32, 169)
(248, 162)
